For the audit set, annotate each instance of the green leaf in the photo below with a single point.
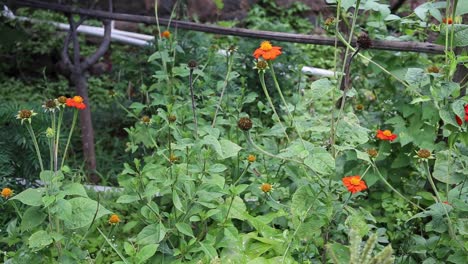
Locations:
(39, 240)
(63, 209)
(184, 229)
(224, 148)
(321, 88)
(350, 132)
(75, 189)
(32, 197)
(83, 211)
(151, 234)
(124, 199)
(32, 217)
(416, 77)
(146, 252)
(177, 202)
(321, 162)
(462, 8)
(446, 168)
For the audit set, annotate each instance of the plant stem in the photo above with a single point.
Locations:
(193, 104)
(36, 146)
(278, 88)
(57, 138)
(261, 75)
(393, 189)
(75, 117)
(225, 83)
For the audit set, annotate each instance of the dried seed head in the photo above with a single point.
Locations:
(61, 100)
(363, 41)
(372, 153)
(172, 118)
(424, 153)
(145, 120)
(244, 123)
(359, 107)
(433, 69)
(173, 158)
(25, 114)
(329, 21)
(192, 64)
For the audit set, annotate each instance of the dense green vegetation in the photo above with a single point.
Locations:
(220, 150)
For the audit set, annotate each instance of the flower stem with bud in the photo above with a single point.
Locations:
(36, 146)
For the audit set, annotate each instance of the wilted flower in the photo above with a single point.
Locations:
(266, 187)
(192, 64)
(359, 107)
(244, 123)
(354, 184)
(50, 105)
(261, 66)
(267, 51)
(372, 153)
(6, 193)
(173, 158)
(386, 135)
(433, 69)
(363, 41)
(114, 219)
(146, 120)
(329, 21)
(171, 118)
(25, 115)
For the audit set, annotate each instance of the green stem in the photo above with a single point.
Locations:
(393, 189)
(57, 139)
(194, 107)
(242, 174)
(36, 146)
(261, 74)
(278, 88)
(75, 117)
(225, 83)
(264, 152)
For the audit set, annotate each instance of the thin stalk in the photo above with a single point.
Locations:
(371, 61)
(447, 7)
(57, 138)
(193, 103)
(36, 146)
(335, 72)
(112, 245)
(264, 152)
(278, 88)
(75, 117)
(261, 75)
(225, 83)
(393, 189)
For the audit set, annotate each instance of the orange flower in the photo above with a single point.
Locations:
(266, 187)
(354, 183)
(251, 158)
(386, 135)
(267, 51)
(448, 20)
(166, 34)
(76, 101)
(114, 219)
(6, 193)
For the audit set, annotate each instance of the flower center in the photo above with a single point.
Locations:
(387, 133)
(355, 181)
(266, 46)
(78, 99)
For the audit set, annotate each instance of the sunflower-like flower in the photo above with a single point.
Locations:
(6, 193)
(267, 51)
(76, 102)
(266, 187)
(166, 34)
(386, 135)
(50, 105)
(114, 219)
(251, 158)
(354, 184)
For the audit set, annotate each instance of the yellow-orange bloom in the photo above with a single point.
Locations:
(266, 187)
(114, 219)
(267, 51)
(251, 158)
(76, 101)
(386, 135)
(6, 193)
(166, 34)
(354, 183)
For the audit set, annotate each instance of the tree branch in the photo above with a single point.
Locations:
(278, 36)
(104, 44)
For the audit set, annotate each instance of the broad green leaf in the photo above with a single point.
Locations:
(447, 169)
(39, 240)
(350, 132)
(321, 162)
(32, 217)
(416, 77)
(462, 8)
(321, 88)
(126, 198)
(32, 197)
(145, 253)
(63, 209)
(151, 234)
(184, 229)
(176, 201)
(83, 212)
(75, 189)
(224, 148)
